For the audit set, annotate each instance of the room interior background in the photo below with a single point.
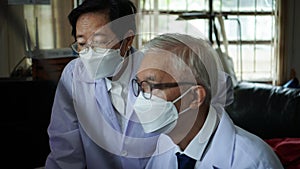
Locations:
(44, 23)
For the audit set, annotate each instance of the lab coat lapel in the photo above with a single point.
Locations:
(220, 154)
(97, 91)
(94, 117)
(105, 105)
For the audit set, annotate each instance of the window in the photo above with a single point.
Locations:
(29, 25)
(250, 29)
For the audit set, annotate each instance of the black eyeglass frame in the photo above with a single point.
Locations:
(152, 86)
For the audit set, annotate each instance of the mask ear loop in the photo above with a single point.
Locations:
(185, 110)
(126, 43)
(181, 96)
(186, 92)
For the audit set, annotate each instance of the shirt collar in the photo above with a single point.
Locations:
(199, 143)
(125, 75)
(108, 84)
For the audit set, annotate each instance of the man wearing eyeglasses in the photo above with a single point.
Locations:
(177, 95)
(91, 126)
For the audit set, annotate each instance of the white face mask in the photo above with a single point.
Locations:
(103, 63)
(157, 114)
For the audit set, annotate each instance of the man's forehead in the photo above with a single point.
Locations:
(156, 60)
(162, 64)
(157, 64)
(103, 31)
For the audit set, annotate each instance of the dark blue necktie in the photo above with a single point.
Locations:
(185, 162)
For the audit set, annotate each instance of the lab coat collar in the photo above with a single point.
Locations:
(196, 148)
(81, 73)
(108, 84)
(219, 153)
(164, 144)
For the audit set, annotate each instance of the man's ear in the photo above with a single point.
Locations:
(127, 42)
(199, 96)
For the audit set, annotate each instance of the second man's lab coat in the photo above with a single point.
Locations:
(231, 148)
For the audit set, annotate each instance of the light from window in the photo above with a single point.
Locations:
(249, 24)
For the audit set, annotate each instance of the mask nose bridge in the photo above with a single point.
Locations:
(87, 46)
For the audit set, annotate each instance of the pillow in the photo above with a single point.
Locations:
(288, 151)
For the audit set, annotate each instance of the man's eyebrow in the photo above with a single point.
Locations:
(148, 78)
(99, 34)
(137, 78)
(79, 36)
(151, 78)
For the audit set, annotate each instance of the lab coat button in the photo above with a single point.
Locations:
(127, 141)
(124, 153)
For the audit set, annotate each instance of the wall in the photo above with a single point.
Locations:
(3, 44)
(295, 57)
(11, 38)
(292, 43)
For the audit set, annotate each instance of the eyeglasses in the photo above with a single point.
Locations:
(97, 46)
(147, 87)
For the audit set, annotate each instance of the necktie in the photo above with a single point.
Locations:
(185, 162)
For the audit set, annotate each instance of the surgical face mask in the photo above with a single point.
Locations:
(101, 62)
(157, 114)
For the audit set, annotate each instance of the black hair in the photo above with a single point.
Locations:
(116, 9)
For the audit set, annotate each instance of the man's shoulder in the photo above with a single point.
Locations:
(247, 149)
(74, 70)
(246, 138)
(70, 65)
(251, 144)
(254, 148)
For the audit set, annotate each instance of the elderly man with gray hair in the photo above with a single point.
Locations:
(177, 95)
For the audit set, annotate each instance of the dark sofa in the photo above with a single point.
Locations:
(25, 113)
(265, 110)
(272, 113)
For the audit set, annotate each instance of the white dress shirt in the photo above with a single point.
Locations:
(118, 91)
(196, 148)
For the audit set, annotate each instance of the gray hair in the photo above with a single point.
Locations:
(195, 54)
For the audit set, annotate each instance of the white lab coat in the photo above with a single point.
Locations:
(84, 131)
(231, 148)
